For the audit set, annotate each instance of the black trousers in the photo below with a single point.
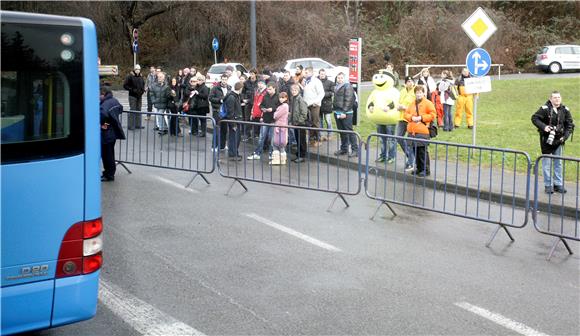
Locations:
(108, 157)
(134, 119)
(346, 139)
(300, 135)
(199, 124)
(422, 158)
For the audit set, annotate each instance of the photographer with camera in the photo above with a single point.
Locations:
(555, 125)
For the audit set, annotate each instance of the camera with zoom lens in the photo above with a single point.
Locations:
(551, 137)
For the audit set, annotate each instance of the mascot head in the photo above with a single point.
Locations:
(383, 80)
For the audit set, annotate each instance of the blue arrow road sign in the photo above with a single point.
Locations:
(135, 47)
(214, 44)
(478, 62)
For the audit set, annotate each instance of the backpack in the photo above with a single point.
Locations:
(452, 92)
(223, 113)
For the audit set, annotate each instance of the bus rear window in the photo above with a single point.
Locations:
(41, 92)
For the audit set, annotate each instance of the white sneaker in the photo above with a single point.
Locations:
(409, 168)
(254, 157)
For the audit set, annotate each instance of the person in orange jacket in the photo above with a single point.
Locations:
(419, 115)
(464, 102)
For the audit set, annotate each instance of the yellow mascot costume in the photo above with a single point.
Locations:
(384, 99)
(382, 109)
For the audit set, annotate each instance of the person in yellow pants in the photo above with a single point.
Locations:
(464, 101)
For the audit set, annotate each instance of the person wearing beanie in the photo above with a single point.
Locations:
(135, 84)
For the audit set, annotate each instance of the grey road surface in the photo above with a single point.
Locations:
(272, 261)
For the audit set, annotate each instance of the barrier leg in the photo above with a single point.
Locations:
(499, 227)
(556, 244)
(334, 200)
(379, 207)
(232, 185)
(196, 175)
(124, 166)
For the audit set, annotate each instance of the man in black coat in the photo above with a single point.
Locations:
(111, 130)
(326, 106)
(216, 98)
(555, 125)
(135, 84)
(233, 106)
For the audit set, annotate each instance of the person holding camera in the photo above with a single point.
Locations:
(555, 125)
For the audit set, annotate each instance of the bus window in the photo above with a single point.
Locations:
(41, 93)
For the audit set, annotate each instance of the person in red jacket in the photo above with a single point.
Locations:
(419, 115)
(256, 111)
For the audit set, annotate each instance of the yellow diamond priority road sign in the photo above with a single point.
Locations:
(479, 27)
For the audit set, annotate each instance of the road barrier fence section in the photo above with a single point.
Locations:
(289, 156)
(474, 182)
(166, 140)
(552, 216)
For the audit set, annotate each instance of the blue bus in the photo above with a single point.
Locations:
(50, 148)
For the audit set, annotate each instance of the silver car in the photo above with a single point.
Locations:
(316, 64)
(556, 58)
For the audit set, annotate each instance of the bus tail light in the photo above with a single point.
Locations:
(81, 249)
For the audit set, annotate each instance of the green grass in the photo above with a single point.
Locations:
(504, 117)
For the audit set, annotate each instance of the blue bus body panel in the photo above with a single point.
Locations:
(75, 299)
(26, 307)
(40, 202)
(92, 123)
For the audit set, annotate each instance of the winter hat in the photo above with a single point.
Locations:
(137, 67)
(408, 78)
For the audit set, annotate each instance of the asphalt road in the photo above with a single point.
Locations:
(273, 261)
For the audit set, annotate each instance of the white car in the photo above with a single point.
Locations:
(316, 64)
(215, 71)
(556, 58)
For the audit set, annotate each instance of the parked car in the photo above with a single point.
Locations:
(216, 70)
(316, 64)
(556, 58)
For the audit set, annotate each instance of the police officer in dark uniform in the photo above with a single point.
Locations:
(111, 130)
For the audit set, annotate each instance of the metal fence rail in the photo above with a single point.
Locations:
(320, 170)
(175, 148)
(474, 182)
(551, 212)
(446, 66)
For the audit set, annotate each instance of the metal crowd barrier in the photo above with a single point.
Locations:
(175, 148)
(484, 187)
(320, 171)
(557, 214)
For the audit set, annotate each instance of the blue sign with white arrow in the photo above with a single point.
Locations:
(478, 62)
(214, 44)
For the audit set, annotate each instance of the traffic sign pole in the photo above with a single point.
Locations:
(215, 46)
(473, 134)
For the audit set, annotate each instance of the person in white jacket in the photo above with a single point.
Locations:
(428, 82)
(448, 95)
(313, 95)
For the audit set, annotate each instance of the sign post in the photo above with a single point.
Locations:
(135, 46)
(479, 27)
(354, 68)
(215, 46)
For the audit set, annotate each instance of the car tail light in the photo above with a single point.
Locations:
(81, 249)
(543, 56)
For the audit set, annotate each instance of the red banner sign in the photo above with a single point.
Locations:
(354, 53)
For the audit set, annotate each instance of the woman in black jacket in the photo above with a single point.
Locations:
(174, 101)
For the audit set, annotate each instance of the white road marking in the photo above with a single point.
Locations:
(503, 321)
(294, 233)
(175, 184)
(144, 318)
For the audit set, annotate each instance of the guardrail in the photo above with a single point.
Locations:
(486, 187)
(172, 147)
(318, 169)
(550, 216)
(411, 66)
